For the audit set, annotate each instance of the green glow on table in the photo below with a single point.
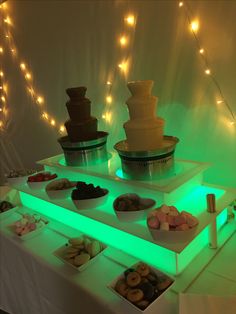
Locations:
(146, 251)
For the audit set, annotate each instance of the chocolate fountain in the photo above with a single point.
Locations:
(84, 145)
(147, 153)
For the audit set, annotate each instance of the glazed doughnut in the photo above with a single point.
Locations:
(148, 290)
(143, 269)
(122, 287)
(135, 295)
(133, 279)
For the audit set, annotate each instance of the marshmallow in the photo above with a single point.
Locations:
(165, 209)
(164, 226)
(180, 220)
(153, 222)
(162, 217)
(182, 227)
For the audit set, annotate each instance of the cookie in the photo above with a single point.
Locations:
(76, 241)
(81, 259)
(143, 269)
(133, 279)
(135, 295)
(95, 248)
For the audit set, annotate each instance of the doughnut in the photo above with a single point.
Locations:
(133, 279)
(135, 295)
(122, 287)
(148, 290)
(143, 269)
(142, 304)
(164, 284)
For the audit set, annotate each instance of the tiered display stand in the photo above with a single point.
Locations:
(183, 188)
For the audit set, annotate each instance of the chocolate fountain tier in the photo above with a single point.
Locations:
(82, 131)
(79, 109)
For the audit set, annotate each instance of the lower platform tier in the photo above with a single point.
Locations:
(134, 238)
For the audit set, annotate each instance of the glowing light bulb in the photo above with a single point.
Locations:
(123, 40)
(181, 4)
(201, 51)
(123, 66)
(232, 122)
(7, 36)
(12, 50)
(62, 129)
(1, 74)
(1, 50)
(4, 87)
(107, 117)
(3, 98)
(22, 66)
(1, 124)
(31, 91)
(28, 76)
(194, 26)
(45, 115)
(130, 20)
(219, 101)
(7, 20)
(208, 71)
(109, 99)
(108, 83)
(1, 87)
(0, 109)
(53, 122)
(40, 100)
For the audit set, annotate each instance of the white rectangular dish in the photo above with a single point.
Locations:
(31, 234)
(60, 253)
(8, 213)
(153, 304)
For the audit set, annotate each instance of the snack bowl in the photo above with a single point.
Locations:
(63, 251)
(153, 287)
(167, 227)
(54, 192)
(91, 203)
(18, 177)
(38, 185)
(134, 207)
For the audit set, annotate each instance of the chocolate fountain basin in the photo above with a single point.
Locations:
(147, 165)
(85, 153)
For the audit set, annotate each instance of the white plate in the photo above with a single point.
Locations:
(91, 202)
(149, 307)
(60, 253)
(8, 213)
(30, 234)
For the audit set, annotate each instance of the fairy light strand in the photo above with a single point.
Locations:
(27, 74)
(203, 56)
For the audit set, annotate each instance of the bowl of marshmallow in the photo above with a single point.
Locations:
(168, 224)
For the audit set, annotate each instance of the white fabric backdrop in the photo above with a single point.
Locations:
(72, 43)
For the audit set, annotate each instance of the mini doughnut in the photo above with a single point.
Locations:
(122, 287)
(129, 270)
(142, 304)
(152, 278)
(135, 295)
(164, 284)
(133, 279)
(143, 269)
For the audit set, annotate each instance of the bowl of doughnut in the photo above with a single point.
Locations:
(167, 224)
(131, 207)
(141, 286)
(60, 188)
(80, 252)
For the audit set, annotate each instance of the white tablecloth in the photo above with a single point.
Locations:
(34, 281)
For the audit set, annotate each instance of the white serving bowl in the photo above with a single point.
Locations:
(173, 236)
(60, 253)
(37, 185)
(134, 215)
(151, 308)
(58, 194)
(91, 202)
(40, 227)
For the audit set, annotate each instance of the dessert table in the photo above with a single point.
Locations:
(34, 281)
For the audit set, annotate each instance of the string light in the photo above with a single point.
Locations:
(1, 124)
(0, 109)
(40, 100)
(7, 20)
(1, 50)
(28, 76)
(62, 129)
(45, 115)
(130, 20)
(1, 73)
(23, 66)
(53, 122)
(123, 41)
(109, 99)
(109, 83)
(3, 99)
(123, 66)
(194, 26)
